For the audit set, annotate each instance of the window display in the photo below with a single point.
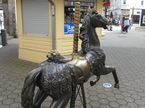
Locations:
(143, 21)
(69, 9)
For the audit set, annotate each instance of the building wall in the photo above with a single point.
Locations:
(132, 7)
(1, 5)
(32, 47)
(8, 7)
(12, 17)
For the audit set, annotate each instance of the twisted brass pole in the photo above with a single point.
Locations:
(76, 26)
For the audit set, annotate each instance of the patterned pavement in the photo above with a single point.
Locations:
(124, 51)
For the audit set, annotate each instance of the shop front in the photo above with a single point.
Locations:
(42, 27)
(142, 23)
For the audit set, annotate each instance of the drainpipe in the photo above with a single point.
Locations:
(53, 24)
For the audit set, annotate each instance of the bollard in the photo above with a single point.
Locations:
(3, 37)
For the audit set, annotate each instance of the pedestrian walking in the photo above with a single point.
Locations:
(110, 21)
(125, 24)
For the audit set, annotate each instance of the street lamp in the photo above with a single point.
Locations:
(132, 14)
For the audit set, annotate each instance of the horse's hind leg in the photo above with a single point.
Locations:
(116, 79)
(109, 69)
(39, 98)
(61, 102)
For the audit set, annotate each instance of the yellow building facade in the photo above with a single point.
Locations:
(35, 47)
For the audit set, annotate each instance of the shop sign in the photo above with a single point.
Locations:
(68, 28)
(106, 3)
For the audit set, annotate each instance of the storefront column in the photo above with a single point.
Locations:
(59, 5)
(99, 7)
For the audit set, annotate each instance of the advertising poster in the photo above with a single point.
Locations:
(143, 19)
(68, 28)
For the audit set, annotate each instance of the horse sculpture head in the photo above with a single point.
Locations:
(88, 33)
(98, 20)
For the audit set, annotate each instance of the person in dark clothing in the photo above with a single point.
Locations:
(125, 24)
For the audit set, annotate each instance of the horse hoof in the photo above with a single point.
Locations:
(116, 86)
(92, 83)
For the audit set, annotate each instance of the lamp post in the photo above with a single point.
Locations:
(132, 15)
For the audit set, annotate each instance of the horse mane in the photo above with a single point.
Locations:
(85, 24)
(85, 34)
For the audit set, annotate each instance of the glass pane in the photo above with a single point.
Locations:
(69, 9)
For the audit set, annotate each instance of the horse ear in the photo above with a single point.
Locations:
(94, 11)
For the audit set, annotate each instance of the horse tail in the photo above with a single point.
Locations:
(29, 88)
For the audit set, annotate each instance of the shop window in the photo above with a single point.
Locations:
(35, 17)
(143, 19)
(142, 2)
(138, 12)
(124, 1)
(69, 10)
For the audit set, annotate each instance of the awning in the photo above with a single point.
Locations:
(106, 3)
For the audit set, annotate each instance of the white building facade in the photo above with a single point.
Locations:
(129, 8)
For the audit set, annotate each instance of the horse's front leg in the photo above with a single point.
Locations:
(73, 96)
(61, 102)
(109, 69)
(39, 98)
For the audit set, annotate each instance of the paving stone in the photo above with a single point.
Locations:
(110, 93)
(2, 97)
(114, 104)
(142, 94)
(8, 101)
(102, 96)
(15, 105)
(7, 92)
(93, 98)
(18, 99)
(124, 106)
(129, 99)
(103, 101)
(119, 96)
(88, 100)
(132, 105)
(104, 106)
(13, 95)
(136, 96)
(88, 106)
(140, 102)
(141, 106)
(121, 102)
(111, 98)
(95, 104)
(11, 88)
(1, 90)
(4, 106)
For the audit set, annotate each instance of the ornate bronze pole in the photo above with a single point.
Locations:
(76, 26)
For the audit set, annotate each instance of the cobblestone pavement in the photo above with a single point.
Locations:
(128, 59)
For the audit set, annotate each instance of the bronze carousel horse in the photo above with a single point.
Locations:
(58, 78)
